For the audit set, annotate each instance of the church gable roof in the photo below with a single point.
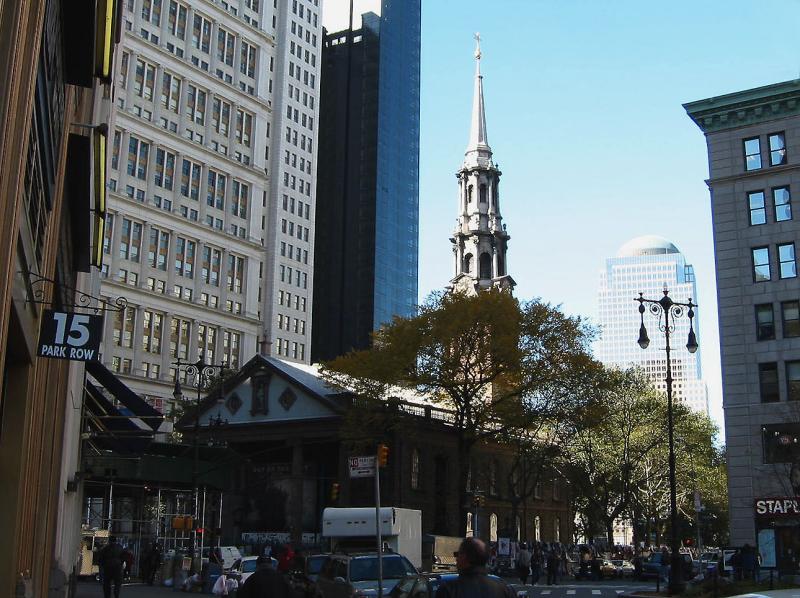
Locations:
(267, 389)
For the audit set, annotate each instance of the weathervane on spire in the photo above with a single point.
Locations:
(477, 37)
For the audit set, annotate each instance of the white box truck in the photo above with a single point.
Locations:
(353, 529)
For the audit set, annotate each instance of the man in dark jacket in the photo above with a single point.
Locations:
(265, 582)
(110, 561)
(473, 580)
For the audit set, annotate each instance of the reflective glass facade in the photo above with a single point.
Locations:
(366, 243)
(647, 265)
(397, 190)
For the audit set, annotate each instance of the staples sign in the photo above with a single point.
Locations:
(778, 507)
(68, 335)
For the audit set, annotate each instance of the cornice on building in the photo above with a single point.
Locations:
(744, 108)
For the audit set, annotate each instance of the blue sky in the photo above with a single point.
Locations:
(583, 103)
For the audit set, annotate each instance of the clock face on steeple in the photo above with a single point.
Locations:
(480, 240)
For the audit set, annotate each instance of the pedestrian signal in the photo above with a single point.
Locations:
(383, 455)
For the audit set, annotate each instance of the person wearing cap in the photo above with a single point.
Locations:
(265, 582)
(473, 580)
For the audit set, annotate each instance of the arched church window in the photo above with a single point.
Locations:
(483, 193)
(467, 263)
(415, 469)
(494, 194)
(501, 266)
(493, 527)
(486, 265)
(469, 193)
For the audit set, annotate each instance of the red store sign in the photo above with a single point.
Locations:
(782, 506)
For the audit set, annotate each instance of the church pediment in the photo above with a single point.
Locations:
(269, 390)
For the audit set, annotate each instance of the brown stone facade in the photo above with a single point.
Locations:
(45, 226)
(288, 460)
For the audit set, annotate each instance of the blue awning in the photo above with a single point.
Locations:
(132, 404)
(112, 429)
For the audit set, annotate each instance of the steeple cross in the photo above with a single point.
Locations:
(477, 37)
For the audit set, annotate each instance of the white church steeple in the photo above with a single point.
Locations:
(480, 241)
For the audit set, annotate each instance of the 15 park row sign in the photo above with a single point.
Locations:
(69, 335)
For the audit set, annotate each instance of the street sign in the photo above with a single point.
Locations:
(70, 335)
(362, 467)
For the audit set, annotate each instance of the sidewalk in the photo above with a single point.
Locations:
(94, 589)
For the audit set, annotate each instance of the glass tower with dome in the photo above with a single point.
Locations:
(647, 265)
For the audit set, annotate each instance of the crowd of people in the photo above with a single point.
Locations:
(541, 558)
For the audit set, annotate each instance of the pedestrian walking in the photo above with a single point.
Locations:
(265, 581)
(536, 565)
(523, 563)
(473, 580)
(154, 563)
(553, 562)
(110, 561)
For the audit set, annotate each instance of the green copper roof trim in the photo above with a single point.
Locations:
(748, 107)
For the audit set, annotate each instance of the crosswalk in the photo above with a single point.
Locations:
(577, 591)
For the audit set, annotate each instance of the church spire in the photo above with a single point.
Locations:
(478, 148)
(480, 240)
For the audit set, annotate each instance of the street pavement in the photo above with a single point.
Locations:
(587, 589)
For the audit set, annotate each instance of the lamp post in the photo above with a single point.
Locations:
(670, 311)
(202, 370)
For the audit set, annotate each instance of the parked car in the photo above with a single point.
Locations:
(424, 585)
(658, 565)
(356, 575)
(244, 567)
(624, 568)
(608, 569)
(707, 559)
(314, 565)
(230, 554)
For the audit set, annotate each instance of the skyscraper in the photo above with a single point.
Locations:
(480, 240)
(211, 206)
(753, 139)
(368, 183)
(648, 265)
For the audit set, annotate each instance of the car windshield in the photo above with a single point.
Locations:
(366, 568)
(708, 556)
(248, 566)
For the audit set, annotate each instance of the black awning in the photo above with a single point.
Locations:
(134, 405)
(110, 428)
(79, 190)
(78, 18)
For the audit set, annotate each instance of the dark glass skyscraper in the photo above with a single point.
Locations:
(367, 217)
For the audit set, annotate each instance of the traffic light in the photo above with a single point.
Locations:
(334, 492)
(383, 455)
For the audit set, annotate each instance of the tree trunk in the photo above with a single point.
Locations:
(464, 452)
(610, 532)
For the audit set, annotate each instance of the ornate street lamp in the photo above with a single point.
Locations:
(203, 371)
(670, 311)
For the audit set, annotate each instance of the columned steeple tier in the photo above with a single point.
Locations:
(480, 240)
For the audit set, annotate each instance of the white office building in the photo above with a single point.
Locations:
(212, 175)
(648, 265)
